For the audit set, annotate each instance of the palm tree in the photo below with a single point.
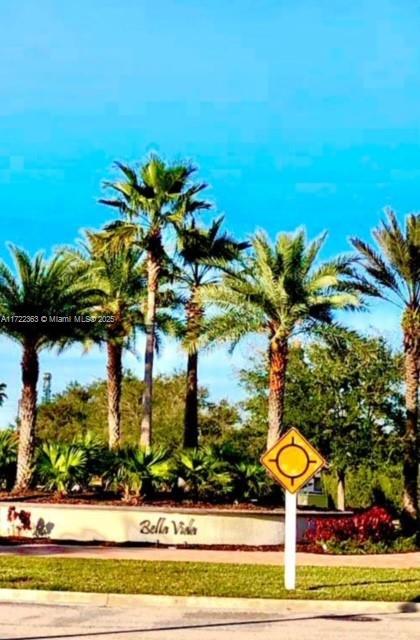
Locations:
(30, 298)
(118, 275)
(392, 273)
(155, 196)
(203, 253)
(280, 291)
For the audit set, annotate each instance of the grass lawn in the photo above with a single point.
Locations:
(207, 579)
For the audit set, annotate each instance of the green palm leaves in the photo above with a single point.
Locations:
(203, 253)
(8, 455)
(280, 290)
(118, 275)
(35, 291)
(60, 466)
(391, 272)
(42, 288)
(136, 471)
(156, 197)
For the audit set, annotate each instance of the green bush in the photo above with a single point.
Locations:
(61, 467)
(367, 487)
(353, 547)
(8, 455)
(136, 472)
(98, 456)
(249, 481)
(204, 475)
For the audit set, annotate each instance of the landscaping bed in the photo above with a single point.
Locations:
(98, 499)
(208, 579)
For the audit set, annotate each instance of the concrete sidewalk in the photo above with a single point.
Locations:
(386, 561)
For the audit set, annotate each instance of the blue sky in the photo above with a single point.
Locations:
(296, 113)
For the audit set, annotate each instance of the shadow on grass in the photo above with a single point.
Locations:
(363, 583)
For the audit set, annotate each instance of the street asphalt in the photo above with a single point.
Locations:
(86, 622)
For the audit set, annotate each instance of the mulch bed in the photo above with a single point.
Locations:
(163, 502)
(111, 500)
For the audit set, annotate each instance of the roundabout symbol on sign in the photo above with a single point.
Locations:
(292, 461)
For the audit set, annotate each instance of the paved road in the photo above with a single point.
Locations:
(36, 622)
(385, 561)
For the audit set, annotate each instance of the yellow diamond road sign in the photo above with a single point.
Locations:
(292, 461)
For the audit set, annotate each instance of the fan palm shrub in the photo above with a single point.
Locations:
(151, 200)
(137, 472)
(61, 466)
(37, 291)
(280, 290)
(96, 453)
(204, 476)
(249, 481)
(392, 273)
(8, 456)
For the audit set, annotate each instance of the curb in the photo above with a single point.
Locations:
(32, 596)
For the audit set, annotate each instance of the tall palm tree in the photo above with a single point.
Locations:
(203, 254)
(280, 291)
(155, 197)
(119, 277)
(29, 299)
(393, 274)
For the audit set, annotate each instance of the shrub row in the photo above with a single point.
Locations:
(212, 473)
(372, 531)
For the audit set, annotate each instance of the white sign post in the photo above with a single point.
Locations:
(290, 541)
(292, 461)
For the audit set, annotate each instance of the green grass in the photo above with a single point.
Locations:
(207, 579)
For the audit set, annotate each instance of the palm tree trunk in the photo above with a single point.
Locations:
(278, 358)
(411, 444)
(153, 269)
(114, 368)
(191, 403)
(341, 491)
(30, 372)
(194, 317)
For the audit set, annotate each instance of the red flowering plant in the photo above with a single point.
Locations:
(372, 526)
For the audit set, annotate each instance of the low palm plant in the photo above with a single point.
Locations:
(249, 481)
(96, 452)
(8, 455)
(61, 466)
(136, 471)
(204, 474)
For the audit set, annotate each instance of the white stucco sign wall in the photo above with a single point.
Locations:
(146, 525)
